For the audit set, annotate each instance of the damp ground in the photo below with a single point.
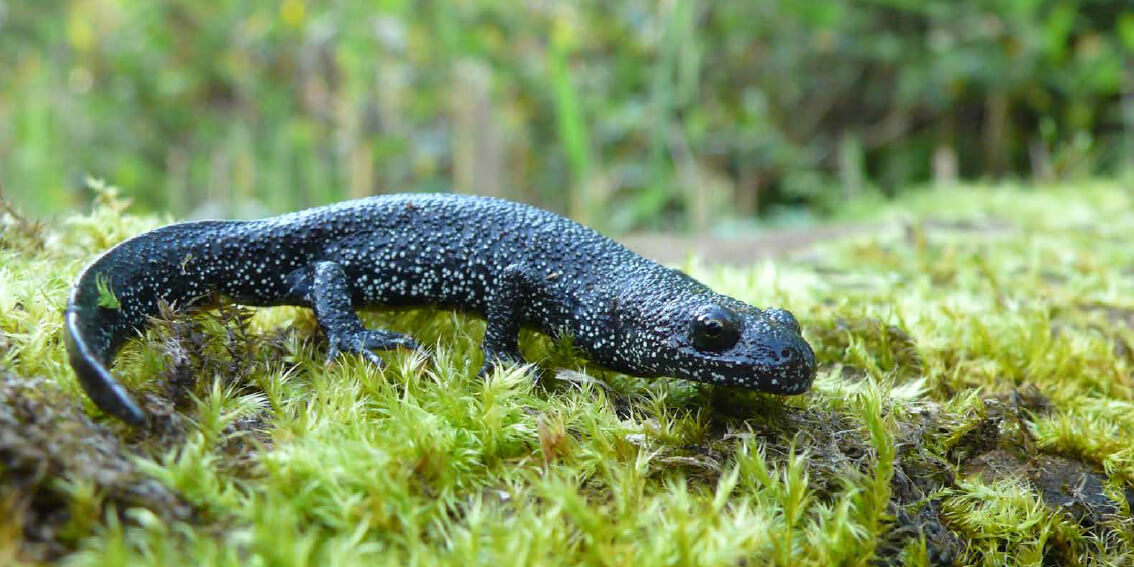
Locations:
(974, 405)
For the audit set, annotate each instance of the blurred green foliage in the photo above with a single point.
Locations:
(628, 114)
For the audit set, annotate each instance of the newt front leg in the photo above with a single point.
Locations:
(505, 317)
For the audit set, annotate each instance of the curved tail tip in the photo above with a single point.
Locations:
(100, 386)
(106, 393)
(125, 409)
(128, 411)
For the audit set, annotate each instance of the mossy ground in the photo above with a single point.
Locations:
(974, 405)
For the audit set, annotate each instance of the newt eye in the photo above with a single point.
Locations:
(715, 329)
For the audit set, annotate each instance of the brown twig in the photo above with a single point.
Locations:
(28, 228)
(8, 208)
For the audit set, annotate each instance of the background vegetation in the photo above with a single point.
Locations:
(664, 114)
(974, 403)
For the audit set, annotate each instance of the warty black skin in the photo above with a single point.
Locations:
(514, 264)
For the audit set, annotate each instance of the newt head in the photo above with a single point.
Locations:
(711, 338)
(751, 348)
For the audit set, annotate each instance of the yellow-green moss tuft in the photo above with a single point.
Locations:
(976, 361)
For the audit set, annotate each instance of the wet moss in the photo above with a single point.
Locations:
(974, 406)
(881, 348)
(62, 474)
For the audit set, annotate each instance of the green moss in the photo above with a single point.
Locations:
(976, 337)
(106, 297)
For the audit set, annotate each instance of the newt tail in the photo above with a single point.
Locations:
(94, 331)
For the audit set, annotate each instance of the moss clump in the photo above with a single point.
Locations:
(866, 344)
(974, 406)
(106, 297)
(61, 474)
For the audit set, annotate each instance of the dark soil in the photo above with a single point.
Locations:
(48, 442)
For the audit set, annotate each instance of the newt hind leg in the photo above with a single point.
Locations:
(323, 286)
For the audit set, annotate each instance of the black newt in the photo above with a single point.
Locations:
(514, 264)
